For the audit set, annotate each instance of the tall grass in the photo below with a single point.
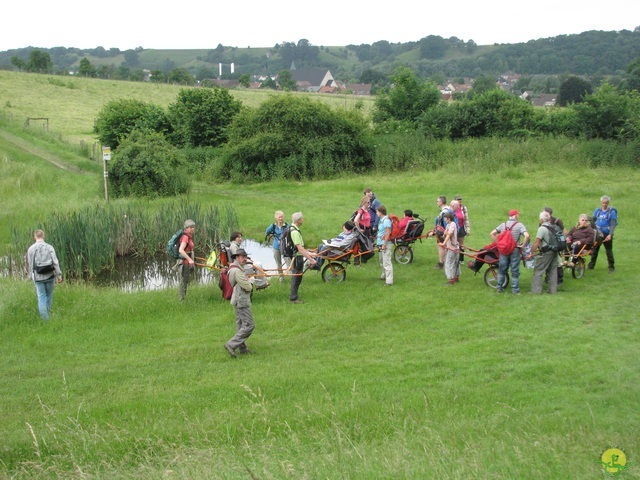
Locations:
(88, 240)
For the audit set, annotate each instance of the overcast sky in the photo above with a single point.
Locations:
(252, 23)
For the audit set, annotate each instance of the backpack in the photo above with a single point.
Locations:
(395, 226)
(225, 284)
(557, 240)
(43, 260)
(287, 248)
(505, 242)
(173, 245)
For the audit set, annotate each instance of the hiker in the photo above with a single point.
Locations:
(44, 269)
(512, 259)
(342, 241)
(241, 301)
(560, 224)
(404, 221)
(374, 203)
(606, 218)
(188, 264)
(438, 229)
(452, 248)
(464, 226)
(580, 237)
(235, 240)
(546, 261)
(384, 244)
(275, 230)
(299, 256)
(362, 220)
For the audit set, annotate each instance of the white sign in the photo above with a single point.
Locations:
(106, 153)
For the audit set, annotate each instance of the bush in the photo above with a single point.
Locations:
(119, 118)
(200, 117)
(147, 165)
(295, 137)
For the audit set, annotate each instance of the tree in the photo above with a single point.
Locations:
(18, 63)
(118, 118)
(573, 90)
(245, 80)
(39, 62)
(269, 83)
(131, 58)
(432, 47)
(200, 116)
(180, 76)
(633, 75)
(408, 98)
(286, 81)
(86, 68)
(483, 84)
(147, 165)
(608, 114)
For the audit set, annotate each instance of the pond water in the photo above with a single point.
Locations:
(135, 274)
(154, 273)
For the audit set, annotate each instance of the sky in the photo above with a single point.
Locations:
(197, 24)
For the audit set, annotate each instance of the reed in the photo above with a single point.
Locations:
(88, 241)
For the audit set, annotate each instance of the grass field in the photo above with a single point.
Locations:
(361, 381)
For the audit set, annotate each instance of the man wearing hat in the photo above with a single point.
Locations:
(513, 259)
(241, 301)
(186, 253)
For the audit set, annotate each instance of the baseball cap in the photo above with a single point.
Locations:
(513, 213)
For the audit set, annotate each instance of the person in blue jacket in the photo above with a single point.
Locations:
(274, 231)
(606, 218)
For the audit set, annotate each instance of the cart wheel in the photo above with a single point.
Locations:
(491, 277)
(403, 254)
(334, 272)
(578, 269)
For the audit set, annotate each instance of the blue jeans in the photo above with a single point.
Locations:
(44, 290)
(513, 261)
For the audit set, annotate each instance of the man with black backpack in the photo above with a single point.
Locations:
(299, 254)
(44, 270)
(547, 258)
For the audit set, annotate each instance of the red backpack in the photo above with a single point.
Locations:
(395, 226)
(505, 242)
(225, 284)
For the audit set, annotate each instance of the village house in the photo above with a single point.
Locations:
(312, 80)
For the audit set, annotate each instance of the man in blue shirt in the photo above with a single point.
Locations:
(383, 242)
(606, 218)
(374, 203)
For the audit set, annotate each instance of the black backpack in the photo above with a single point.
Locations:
(173, 245)
(557, 241)
(287, 248)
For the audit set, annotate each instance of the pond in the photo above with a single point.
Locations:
(154, 273)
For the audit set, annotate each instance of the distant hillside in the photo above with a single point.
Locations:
(593, 53)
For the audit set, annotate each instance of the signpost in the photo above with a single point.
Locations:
(106, 155)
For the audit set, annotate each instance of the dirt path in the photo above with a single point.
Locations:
(39, 152)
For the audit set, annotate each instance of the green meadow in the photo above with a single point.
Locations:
(361, 381)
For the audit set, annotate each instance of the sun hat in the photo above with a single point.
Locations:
(189, 223)
(240, 251)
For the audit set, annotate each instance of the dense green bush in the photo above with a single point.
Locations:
(119, 118)
(295, 137)
(408, 98)
(200, 116)
(492, 113)
(147, 165)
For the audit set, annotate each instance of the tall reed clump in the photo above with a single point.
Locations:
(88, 241)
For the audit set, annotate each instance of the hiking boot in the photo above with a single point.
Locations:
(230, 350)
(297, 300)
(246, 351)
(498, 290)
(612, 269)
(590, 266)
(439, 266)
